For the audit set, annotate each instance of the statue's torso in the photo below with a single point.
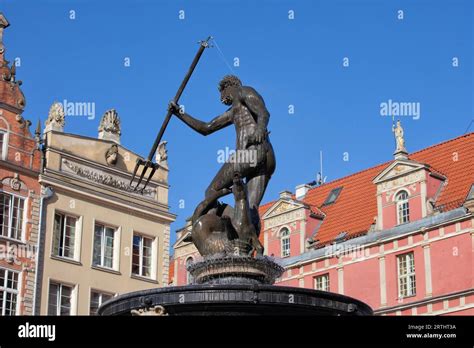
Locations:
(245, 124)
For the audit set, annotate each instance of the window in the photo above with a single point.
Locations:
(60, 296)
(322, 282)
(403, 209)
(285, 242)
(97, 298)
(189, 277)
(104, 246)
(406, 275)
(64, 241)
(3, 145)
(11, 218)
(8, 292)
(141, 258)
(331, 198)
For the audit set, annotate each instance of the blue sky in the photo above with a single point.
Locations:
(289, 61)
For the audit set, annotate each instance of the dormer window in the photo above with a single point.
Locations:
(403, 208)
(285, 242)
(331, 198)
(470, 195)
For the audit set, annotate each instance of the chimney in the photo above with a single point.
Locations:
(285, 195)
(301, 191)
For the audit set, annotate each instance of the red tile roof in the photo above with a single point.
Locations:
(356, 207)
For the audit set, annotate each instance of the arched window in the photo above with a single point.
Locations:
(403, 209)
(189, 277)
(285, 242)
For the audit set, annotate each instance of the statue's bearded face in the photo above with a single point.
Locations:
(226, 96)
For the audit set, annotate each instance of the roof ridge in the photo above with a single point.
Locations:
(387, 162)
(466, 135)
(350, 175)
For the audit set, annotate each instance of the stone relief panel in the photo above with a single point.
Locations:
(399, 182)
(284, 218)
(101, 177)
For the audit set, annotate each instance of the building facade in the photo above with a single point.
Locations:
(100, 237)
(20, 200)
(398, 236)
(73, 233)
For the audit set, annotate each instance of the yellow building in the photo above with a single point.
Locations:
(99, 237)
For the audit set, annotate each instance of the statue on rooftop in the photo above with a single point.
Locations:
(399, 138)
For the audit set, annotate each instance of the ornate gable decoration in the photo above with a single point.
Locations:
(161, 155)
(400, 173)
(283, 212)
(109, 128)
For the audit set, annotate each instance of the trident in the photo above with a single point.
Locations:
(148, 163)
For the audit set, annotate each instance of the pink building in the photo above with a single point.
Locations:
(398, 236)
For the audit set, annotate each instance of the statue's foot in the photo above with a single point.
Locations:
(209, 203)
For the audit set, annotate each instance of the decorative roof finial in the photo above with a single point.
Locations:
(56, 119)
(161, 156)
(400, 151)
(109, 128)
(38, 128)
(38, 139)
(3, 24)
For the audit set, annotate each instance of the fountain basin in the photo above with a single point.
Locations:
(237, 299)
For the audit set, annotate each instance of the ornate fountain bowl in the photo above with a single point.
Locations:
(235, 269)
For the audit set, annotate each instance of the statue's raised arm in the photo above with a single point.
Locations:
(204, 128)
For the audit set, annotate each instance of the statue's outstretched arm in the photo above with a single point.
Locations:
(206, 128)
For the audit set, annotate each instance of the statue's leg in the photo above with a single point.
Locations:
(256, 188)
(218, 187)
(257, 184)
(209, 202)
